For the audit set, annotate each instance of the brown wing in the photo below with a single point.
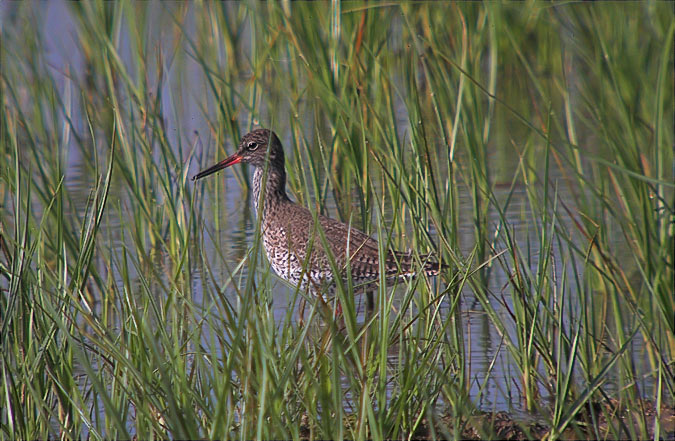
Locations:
(300, 229)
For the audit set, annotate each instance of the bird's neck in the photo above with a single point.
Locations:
(273, 189)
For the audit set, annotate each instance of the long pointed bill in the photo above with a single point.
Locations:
(234, 159)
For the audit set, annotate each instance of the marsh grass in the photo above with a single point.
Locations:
(124, 313)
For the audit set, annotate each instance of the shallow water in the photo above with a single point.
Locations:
(229, 228)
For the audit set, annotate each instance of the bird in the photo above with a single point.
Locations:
(296, 250)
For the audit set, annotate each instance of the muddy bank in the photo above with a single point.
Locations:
(609, 420)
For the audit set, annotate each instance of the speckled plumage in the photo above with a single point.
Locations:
(290, 231)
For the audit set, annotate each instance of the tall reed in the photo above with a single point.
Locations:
(529, 147)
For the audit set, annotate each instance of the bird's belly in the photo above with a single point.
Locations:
(287, 265)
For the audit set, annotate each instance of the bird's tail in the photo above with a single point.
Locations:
(409, 264)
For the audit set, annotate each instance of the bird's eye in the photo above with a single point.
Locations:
(252, 145)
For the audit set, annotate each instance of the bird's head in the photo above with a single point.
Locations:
(254, 148)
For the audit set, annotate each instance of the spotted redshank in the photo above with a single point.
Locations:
(290, 231)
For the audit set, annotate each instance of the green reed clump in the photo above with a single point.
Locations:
(528, 147)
